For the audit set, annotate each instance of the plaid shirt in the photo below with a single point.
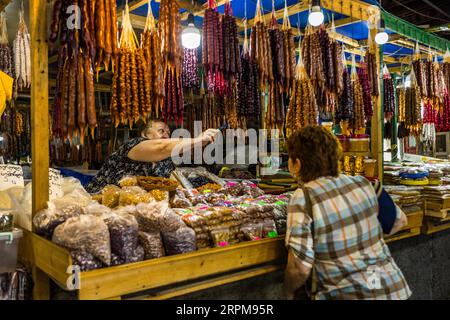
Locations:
(349, 254)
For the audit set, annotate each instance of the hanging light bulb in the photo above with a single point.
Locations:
(190, 37)
(381, 37)
(316, 16)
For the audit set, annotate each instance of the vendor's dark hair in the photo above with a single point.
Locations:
(318, 151)
(144, 126)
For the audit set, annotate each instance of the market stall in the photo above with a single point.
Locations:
(228, 226)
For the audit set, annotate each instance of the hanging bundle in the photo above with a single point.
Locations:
(388, 94)
(260, 49)
(420, 71)
(357, 123)
(22, 57)
(288, 49)
(249, 96)
(6, 62)
(446, 69)
(401, 117)
(231, 57)
(132, 94)
(151, 46)
(302, 109)
(213, 52)
(170, 30)
(190, 69)
(443, 116)
(413, 114)
(363, 77)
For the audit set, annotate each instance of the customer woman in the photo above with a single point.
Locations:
(147, 155)
(333, 231)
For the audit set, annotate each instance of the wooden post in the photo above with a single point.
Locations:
(39, 103)
(376, 122)
(39, 124)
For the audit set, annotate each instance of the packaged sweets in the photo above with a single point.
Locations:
(269, 229)
(128, 181)
(221, 237)
(252, 231)
(110, 196)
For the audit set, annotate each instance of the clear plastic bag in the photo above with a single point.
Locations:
(138, 255)
(148, 216)
(123, 233)
(152, 244)
(111, 196)
(86, 233)
(252, 231)
(170, 221)
(269, 229)
(85, 260)
(70, 184)
(132, 196)
(182, 240)
(46, 220)
(180, 200)
(96, 209)
(221, 237)
(128, 181)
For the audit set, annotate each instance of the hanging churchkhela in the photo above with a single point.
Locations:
(91, 41)
(363, 77)
(6, 61)
(151, 46)
(413, 115)
(212, 51)
(357, 124)
(131, 91)
(231, 57)
(249, 96)
(172, 54)
(302, 109)
(446, 69)
(260, 49)
(388, 95)
(190, 70)
(22, 58)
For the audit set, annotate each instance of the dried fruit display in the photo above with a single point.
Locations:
(302, 109)
(345, 110)
(363, 77)
(172, 55)
(190, 70)
(6, 60)
(358, 122)
(22, 57)
(388, 95)
(372, 70)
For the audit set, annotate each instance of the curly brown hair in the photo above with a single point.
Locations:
(318, 151)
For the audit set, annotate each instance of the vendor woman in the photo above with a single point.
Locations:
(147, 155)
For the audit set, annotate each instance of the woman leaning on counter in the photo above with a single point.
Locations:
(333, 231)
(147, 155)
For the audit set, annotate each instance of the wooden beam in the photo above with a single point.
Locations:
(39, 104)
(186, 4)
(201, 11)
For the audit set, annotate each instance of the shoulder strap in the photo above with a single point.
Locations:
(309, 212)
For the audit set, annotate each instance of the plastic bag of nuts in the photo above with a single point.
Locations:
(152, 244)
(85, 233)
(85, 260)
(123, 232)
(182, 240)
(138, 255)
(46, 220)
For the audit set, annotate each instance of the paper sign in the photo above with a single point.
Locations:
(10, 176)
(55, 181)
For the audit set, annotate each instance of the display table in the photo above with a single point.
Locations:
(184, 273)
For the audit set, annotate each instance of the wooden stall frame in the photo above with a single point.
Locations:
(48, 259)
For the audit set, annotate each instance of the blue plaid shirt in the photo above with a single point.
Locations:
(348, 252)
